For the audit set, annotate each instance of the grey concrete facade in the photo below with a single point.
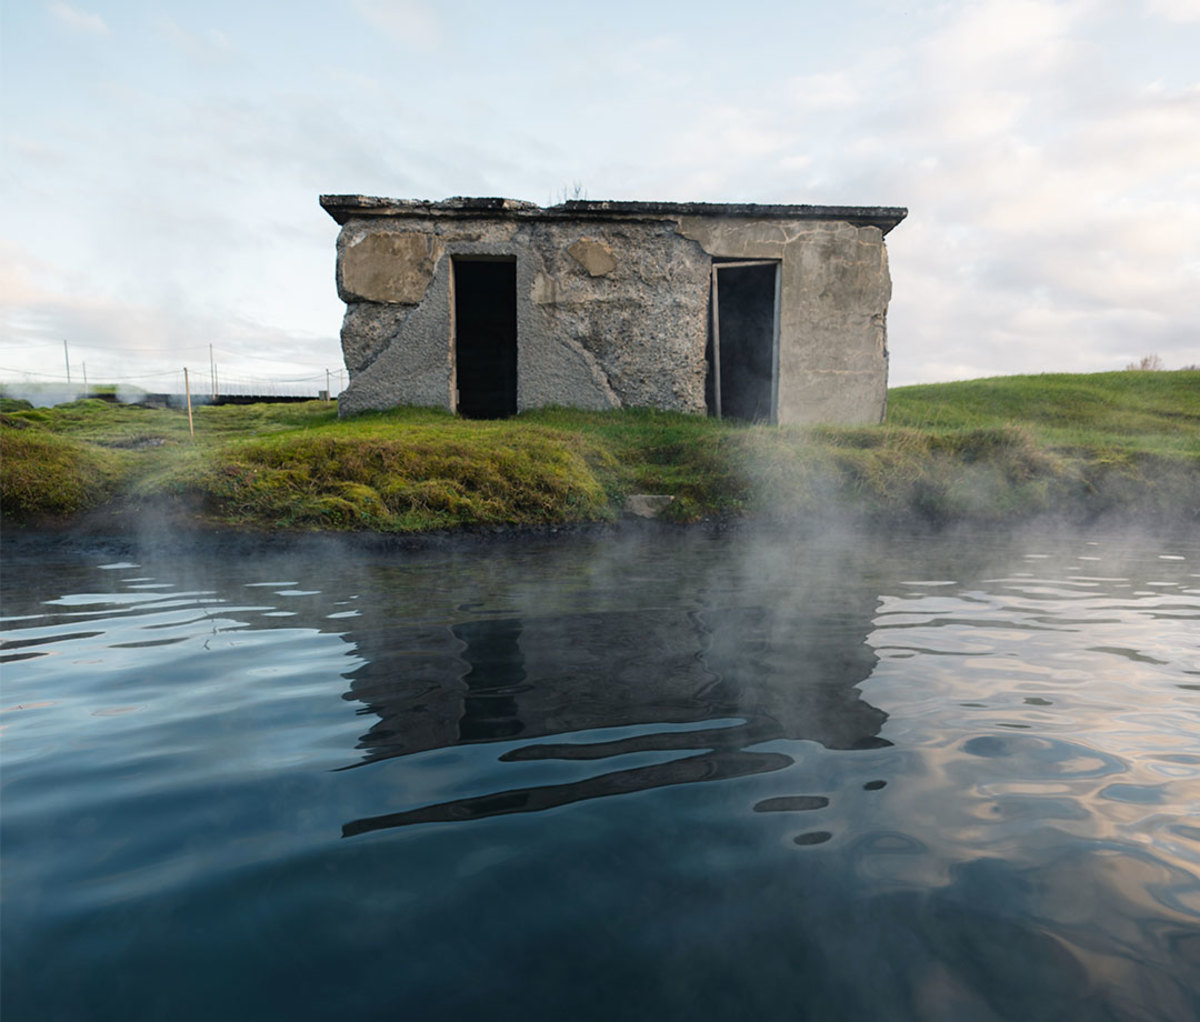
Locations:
(614, 303)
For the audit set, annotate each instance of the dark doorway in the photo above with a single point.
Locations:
(744, 349)
(485, 337)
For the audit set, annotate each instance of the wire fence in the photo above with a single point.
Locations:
(204, 385)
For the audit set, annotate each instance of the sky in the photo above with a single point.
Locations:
(161, 161)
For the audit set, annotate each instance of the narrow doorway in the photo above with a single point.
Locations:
(485, 337)
(744, 347)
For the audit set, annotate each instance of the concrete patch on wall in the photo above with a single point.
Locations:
(415, 359)
(387, 266)
(544, 290)
(562, 372)
(737, 239)
(839, 396)
(367, 329)
(556, 367)
(594, 256)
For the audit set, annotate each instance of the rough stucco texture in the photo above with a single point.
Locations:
(643, 325)
(834, 293)
(615, 313)
(621, 321)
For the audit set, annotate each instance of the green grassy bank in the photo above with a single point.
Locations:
(997, 450)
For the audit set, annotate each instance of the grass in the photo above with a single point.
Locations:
(42, 473)
(992, 450)
(390, 474)
(1127, 412)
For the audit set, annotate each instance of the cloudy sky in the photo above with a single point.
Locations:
(162, 160)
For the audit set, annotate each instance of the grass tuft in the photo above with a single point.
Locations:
(45, 474)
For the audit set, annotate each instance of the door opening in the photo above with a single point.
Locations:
(485, 337)
(744, 346)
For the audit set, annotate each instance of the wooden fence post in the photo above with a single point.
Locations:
(188, 390)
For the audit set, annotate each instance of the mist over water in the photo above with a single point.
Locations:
(647, 775)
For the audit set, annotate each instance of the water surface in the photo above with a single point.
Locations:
(646, 776)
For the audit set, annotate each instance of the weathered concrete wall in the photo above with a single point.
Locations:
(643, 323)
(396, 336)
(615, 312)
(834, 292)
(607, 315)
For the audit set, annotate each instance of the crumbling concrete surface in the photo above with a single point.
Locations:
(613, 301)
(835, 288)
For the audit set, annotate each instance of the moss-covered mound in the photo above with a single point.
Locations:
(43, 473)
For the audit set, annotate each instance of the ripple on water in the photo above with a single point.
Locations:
(897, 781)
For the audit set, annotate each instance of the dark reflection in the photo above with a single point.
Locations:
(45, 639)
(764, 672)
(791, 804)
(685, 649)
(497, 669)
(709, 767)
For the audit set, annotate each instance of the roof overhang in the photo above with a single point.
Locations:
(351, 207)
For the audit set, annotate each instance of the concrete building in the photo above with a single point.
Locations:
(488, 307)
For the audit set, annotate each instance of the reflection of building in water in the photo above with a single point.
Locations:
(779, 672)
(497, 669)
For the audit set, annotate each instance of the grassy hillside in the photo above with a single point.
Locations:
(1133, 412)
(993, 450)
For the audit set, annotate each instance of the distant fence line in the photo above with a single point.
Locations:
(168, 388)
(199, 400)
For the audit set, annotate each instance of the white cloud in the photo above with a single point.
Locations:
(1055, 195)
(1055, 202)
(834, 90)
(408, 22)
(38, 152)
(202, 48)
(77, 20)
(141, 343)
(1175, 10)
(1003, 39)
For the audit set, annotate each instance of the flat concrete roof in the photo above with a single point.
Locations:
(347, 207)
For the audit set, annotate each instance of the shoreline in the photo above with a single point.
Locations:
(166, 530)
(992, 453)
